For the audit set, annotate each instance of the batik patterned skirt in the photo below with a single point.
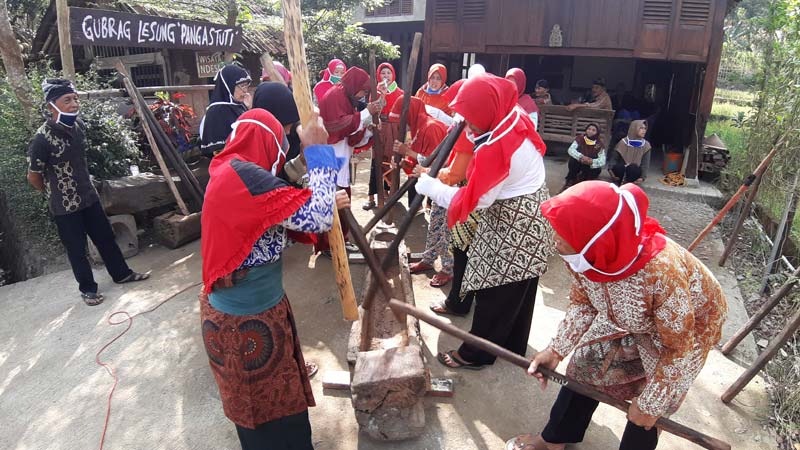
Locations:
(257, 363)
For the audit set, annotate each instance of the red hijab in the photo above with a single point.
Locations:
(462, 145)
(233, 216)
(436, 100)
(426, 132)
(581, 211)
(391, 97)
(490, 103)
(337, 108)
(525, 100)
(326, 84)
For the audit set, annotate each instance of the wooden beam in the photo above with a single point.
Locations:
(64, 40)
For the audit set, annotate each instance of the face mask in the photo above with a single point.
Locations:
(589, 141)
(66, 119)
(636, 143)
(283, 147)
(477, 140)
(335, 79)
(578, 262)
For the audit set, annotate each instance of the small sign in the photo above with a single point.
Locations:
(208, 64)
(119, 29)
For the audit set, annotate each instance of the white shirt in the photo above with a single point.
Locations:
(525, 176)
(344, 151)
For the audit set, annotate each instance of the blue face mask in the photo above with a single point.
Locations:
(66, 119)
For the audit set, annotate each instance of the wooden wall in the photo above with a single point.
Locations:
(676, 30)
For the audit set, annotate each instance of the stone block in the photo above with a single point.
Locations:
(174, 230)
(125, 233)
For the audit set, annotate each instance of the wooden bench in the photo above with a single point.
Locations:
(559, 124)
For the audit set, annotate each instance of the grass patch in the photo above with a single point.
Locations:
(733, 95)
(721, 109)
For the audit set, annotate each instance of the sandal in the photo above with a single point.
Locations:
(368, 205)
(456, 362)
(531, 442)
(311, 369)
(440, 279)
(421, 266)
(134, 276)
(442, 308)
(92, 298)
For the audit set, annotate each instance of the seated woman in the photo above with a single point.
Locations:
(426, 134)
(631, 150)
(248, 327)
(587, 156)
(643, 315)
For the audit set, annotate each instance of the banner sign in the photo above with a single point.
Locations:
(119, 29)
(208, 64)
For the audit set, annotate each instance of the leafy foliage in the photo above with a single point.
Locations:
(173, 116)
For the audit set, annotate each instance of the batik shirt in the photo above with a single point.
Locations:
(313, 217)
(647, 335)
(59, 155)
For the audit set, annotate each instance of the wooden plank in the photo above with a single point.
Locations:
(92, 26)
(339, 380)
(64, 40)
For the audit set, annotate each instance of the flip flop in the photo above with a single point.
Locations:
(134, 276)
(92, 298)
(311, 369)
(444, 310)
(461, 364)
(527, 442)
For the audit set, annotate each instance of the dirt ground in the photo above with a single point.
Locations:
(54, 396)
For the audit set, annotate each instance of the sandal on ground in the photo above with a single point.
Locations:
(440, 279)
(92, 298)
(134, 276)
(456, 362)
(311, 369)
(531, 442)
(368, 205)
(442, 308)
(419, 267)
(350, 247)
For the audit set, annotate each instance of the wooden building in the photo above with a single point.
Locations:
(660, 58)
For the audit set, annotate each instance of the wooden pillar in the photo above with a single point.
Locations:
(64, 40)
(709, 85)
(426, 38)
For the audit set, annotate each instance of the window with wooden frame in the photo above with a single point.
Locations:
(392, 8)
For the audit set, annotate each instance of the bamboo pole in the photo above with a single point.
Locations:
(777, 342)
(762, 312)
(151, 140)
(747, 183)
(663, 423)
(269, 66)
(301, 89)
(781, 234)
(748, 203)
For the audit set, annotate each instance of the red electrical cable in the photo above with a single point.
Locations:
(129, 319)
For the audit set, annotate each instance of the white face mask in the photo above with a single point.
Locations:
(65, 118)
(578, 263)
(282, 147)
(489, 138)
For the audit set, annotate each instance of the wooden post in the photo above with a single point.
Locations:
(377, 144)
(64, 40)
(150, 138)
(762, 360)
(748, 203)
(408, 84)
(663, 423)
(301, 89)
(762, 312)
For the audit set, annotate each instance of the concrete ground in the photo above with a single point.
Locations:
(53, 395)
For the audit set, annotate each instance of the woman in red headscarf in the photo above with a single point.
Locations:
(426, 134)
(347, 129)
(643, 315)
(512, 243)
(248, 328)
(431, 93)
(389, 92)
(525, 101)
(331, 76)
